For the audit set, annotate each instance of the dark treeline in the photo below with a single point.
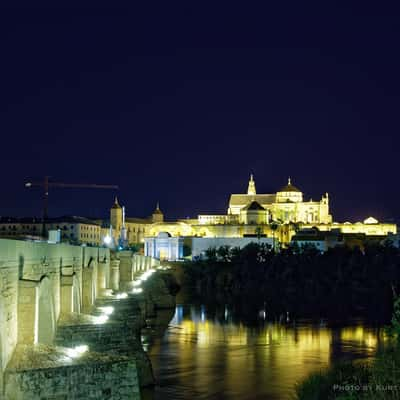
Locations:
(338, 284)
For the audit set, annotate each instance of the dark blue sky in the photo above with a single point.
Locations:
(180, 103)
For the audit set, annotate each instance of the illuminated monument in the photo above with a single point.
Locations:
(285, 206)
(276, 215)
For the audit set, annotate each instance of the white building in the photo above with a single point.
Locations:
(166, 247)
(73, 229)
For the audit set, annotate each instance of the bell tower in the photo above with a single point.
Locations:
(116, 216)
(158, 215)
(251, 190)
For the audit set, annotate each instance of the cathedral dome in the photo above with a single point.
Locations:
(289, 187)
(157, 210)
(289, 194)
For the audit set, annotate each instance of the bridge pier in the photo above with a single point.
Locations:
(36, 314)
(101, 277)
(114, 274)
(27, 311)
(142, 264)
(126, 273)
(88, 292)
(67, 294)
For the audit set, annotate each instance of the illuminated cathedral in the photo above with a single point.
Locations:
(279, 215)
(285, 206)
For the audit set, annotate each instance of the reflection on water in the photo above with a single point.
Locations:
(205, 354)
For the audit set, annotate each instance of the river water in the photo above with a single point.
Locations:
(201, 352)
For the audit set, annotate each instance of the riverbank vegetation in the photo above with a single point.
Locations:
(338, 284)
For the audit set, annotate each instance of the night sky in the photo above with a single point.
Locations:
(180, 103)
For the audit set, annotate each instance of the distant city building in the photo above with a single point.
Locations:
(277, 216)
(321, 240)
(77, 230)
(130, 230)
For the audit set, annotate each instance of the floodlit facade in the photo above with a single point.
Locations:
(128, 231)
(164, 247)
(272, 215)
(286, 205)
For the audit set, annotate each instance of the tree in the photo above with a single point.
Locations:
(211, 254)
(223, 253)
(274, 226)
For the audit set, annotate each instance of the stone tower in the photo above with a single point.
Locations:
(157, 215)
(116, 216)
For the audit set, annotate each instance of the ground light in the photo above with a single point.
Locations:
(163, 268)
(102, 319)
(146, 275)
(77, 351)
(108, 310)
(142, 278)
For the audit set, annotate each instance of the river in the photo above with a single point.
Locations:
(206, 353)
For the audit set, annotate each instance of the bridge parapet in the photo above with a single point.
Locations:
(39, 282)
(130, 265)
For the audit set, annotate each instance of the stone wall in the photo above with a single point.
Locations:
(121, 335)
(50, 297)
(53, 375)
(24, 266)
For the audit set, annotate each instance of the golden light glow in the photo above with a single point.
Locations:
(279, 355)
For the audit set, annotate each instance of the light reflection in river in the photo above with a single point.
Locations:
(209, 356)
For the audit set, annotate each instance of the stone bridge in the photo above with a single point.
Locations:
(57, 337)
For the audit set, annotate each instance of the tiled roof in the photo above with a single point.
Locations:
(244, 199)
